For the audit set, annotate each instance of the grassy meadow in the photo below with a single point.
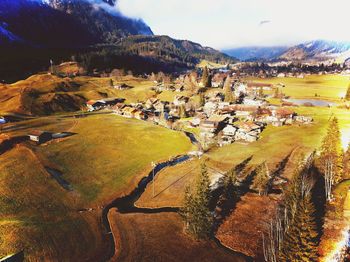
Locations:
(104, 159)
(328, 87)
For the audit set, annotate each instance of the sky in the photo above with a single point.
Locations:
(234, 23)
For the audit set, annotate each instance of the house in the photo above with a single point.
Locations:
(122, 87)
(229, 130)
(240, 89)
(254, 102)
(93, 105)
(213, 124)
(129, 112)
(40, 136)
(151, 102)
(195, 122)
(117, 109)
(140, 115)
(210, 107)
(180, 100)
(303, 119)
(258, 86)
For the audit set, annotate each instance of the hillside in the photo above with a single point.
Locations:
(44, 94)
(146, 54)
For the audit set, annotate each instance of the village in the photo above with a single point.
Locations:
(229, 110)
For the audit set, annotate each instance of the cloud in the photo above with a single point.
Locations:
(227, 23)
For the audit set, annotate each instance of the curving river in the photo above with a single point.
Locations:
(126, 204)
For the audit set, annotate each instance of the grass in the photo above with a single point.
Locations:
(106, 158)
(275, 144)
(327, 87)
(37, 216)
(99, 166)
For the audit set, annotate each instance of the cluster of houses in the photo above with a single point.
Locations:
(219, 122)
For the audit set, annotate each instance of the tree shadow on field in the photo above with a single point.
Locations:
(227, 196)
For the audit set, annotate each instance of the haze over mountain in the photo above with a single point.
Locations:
(312, 51)
(253, 53)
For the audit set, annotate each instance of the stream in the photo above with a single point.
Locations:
(126, 204)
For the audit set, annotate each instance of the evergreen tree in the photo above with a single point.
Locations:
(346, 163)
(206, 78)
(301, 238)
(195, 211)
(201, 99)
(182, 111)
(111, 83)
(261, 180)
(261, 92)
(228, 91)
(330, 160)
(347, 96)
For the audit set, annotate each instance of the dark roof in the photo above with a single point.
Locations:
(38, 133)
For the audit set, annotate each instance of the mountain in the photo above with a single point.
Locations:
(256, 53)
(146, 54)
(33, 32)
(318, 51)
(66, 23)
(167, 48)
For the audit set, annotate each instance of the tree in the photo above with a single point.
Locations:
(347, 96)
(293, 234)
(228, 91)
(330, 160)
(262, 179)
(301, 239)
(182, 111)
(111, 83)
(201, 99)
(346, 163)
(195, 211)
(206, 78)
(261, 92)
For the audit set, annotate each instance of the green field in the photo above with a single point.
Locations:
(327, 87)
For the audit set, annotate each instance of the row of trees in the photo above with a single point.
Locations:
(293, 234)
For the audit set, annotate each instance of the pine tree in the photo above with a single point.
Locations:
(301, 238)
(228, 91)
(111, 83)
(182, 111)
(196, 212)
(347, 96)
(330, 158)
(261, 92)
(206, 78)
(201, 99)
(261, 180)
(346, 163)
